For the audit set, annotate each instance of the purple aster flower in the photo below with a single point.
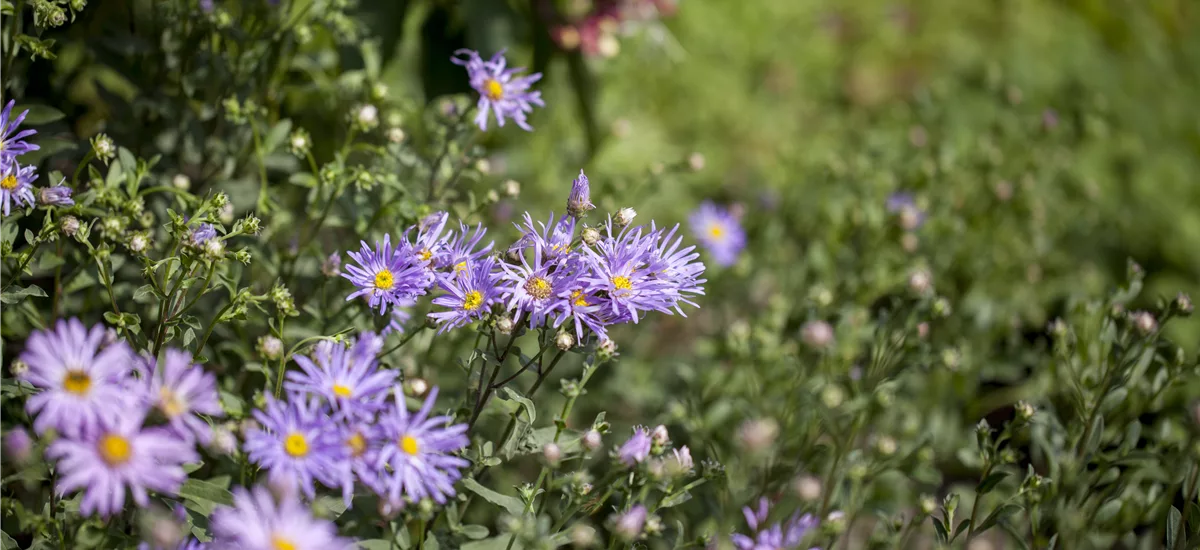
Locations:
(463, 250)
(386, 276)
(539, 289)
(81, 383)
(586, 307)
(201, 234)
(18, 445)
(362, 442)
(182, 390)
(206, 6)
(16, 184)
(786, 536)
(296, 443)
(904, 205)
(120, 456)
(554, 238)
(431, 239)
(636, 449)
(498, 90)
(629, 524)
(12, 142)
(668, 262)
(469, 297)
(416, 451)
(580, 201)
(347, 378)
(719, 232)
(618, 268)
(259, 522)
(58, 195)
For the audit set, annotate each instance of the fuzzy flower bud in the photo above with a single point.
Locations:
(69, 225)
(270, 347)
(505, 325)
(817, 334)
(1144, 321)
(138, 243)
(1024, 410)
(58, 195)
(607, 350)
(628, 526)
(885, 445)
(18, 445)
(396, 135)
(225, 213)
(659, 435)
(758, 435)
(625, 216)
(104, 148)
(299, 142)
(807, 487)
(1183, 304)
(552, 454)
(590, 236)
(928, 504)
(919, 282)
(696, 162)
(223, 441)
(511, 188)
(583, 536)
(332, 266)
(181, 181)
(366, 116)
(214, 249)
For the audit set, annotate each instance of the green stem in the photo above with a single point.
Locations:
(402, 342)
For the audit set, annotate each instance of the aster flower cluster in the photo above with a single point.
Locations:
(339, 427)
(99, 396)
(559, 272)
(788, 535)
(650, 447)
(16, 181)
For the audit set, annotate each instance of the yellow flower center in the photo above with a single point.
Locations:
(384, 280)
(473, 300)
(425, 254)
(715, 231)
(579, 299)
(77, 382)
(281, 543)
(621, 282)
(296, 445)
(409, 445)
(357, 444)
(114, 449)
(170, 403)
(9, 182)
(538, 288)
(342, 391)
(460, 267)
(493, 89)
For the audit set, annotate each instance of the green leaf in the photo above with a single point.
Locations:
(512, 505)
(19, 294)
(205, 495)
(997, 515)
(474, 532)
(961, 527)
(7, 542)
(277, 135)
(1108, 511)
(675, 499)
(940, 529)
(80, 282)
(988, 483)
(498, 542)
(39, 114)
(1174, 519)
(524, 401)
(431, 543)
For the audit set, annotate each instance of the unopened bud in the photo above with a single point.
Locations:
(816, 334)
(590, 236)
(1144, 322)
(270, 347)
(832, 396)
(552, 454)
(592, 440)
(223, 441)
(758, 435)
(659, 435)
(396, 135)
(18, 445)
(696, 162)
(919, 282)
(564, 341)
(332, 266)
(214, 248)
(885, 445)
(1024, 410)
(1183, 304)
(511, 188)
(928, 504)
(416, 387)
(181, 181)
(625, 216)
(138, 243)
(69, 225)
(583, 536)
(808, 488)
(505, 325)
(607, 350)
(367, 116)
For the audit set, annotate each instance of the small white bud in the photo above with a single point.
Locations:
(69, 225)
(484, 166)
(367, 115)
(625, 216)
(493, 195)
(583, 536)
(928, 504)
(564, 341)
(659, 435)
(299, 142)
(511, 188)
(270, 347)
(816, 334)
(919, 282)
(223, 440)
(417, 387)
(181, 181)
(138, 243)
(505, 325)
(552, 454)
(379, 91)
(1145, 322)
(592, 440)
(590, 236)
(885, 445)
(396, 135)
(225, 213)
(608, 45)
(808, 488)
(758, 435)
(696, 162)
(214, 248)
(1024, 410)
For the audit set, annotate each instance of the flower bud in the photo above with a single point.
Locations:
(628, 526)
(696, 162)
(1144, 322)
(564, 341)
(758, 435)
(505, 325)
(416, 387)
(919, 282)
(928, 504)
(832, 396)
(270, 347)
(552, 454)
(592, 440)
(484, 166)
(214, 248)
(659, 435)
(181, 181)
(396, 135)
(18, 367)
(104, 148)
(608, 45)
(299, 142)
(223, 441)
(511, 188)
(909, 242)
(607, 350)
(138, 243)
(625, 216)
(590, 236)
(69, 225)
(332, 266)
(367, 116)
(58, 195)
(493, 196)
(807, 487)
(817, 334)
(885, 445)
(583, 536)
(835, 522)
(379, 91)
(1024, 410)
(18, 445)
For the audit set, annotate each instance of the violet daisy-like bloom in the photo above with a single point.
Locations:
(120, 456)
(296, 443)
(499, 91)
(719, 232)
(904, 206)
(463, 250)
(81, 383)
(585, 307)
(469, 297)
(553, 237)
(636, 449)
(677, 266)
(579, 202)
(628, 525)
(16, 184)
(786, 536)
(347, 378)
(257, 521)
(202, 233)
(12, 142)
(618, 268)
(431, 239)
(181, 390)
(362, 443)
(386, 276)
(58, 195)
(539, 289)
(415, 457)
